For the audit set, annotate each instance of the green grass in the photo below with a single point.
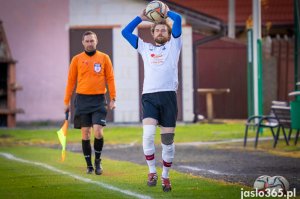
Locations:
(127, 135)
(123, 135)
(22, 180)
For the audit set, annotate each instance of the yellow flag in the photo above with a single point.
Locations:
(62, 136)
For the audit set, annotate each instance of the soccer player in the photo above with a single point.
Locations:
(159, 103)
(91, 70)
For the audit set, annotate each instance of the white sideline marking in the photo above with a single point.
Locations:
(51, 168)
(205, 170)
(222, 141)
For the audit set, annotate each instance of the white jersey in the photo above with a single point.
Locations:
(160, 65)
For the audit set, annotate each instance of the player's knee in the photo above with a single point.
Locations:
(148, 132)
(148, 139)
(167, 138)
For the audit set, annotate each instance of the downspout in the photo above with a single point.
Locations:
(196, 44)
(296, 44)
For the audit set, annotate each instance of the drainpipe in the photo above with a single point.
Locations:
(196, 44)
(296, 44)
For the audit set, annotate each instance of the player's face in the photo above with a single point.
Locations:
(161, 34)
(90, 42)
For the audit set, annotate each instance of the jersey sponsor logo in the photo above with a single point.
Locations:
(97, 67)
(155, 56)
(156, 59)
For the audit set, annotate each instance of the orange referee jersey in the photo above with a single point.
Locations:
(92, 73)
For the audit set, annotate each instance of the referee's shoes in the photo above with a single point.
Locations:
(89, 170)
(98, 167)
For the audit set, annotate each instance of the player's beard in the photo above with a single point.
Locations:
(161, 40)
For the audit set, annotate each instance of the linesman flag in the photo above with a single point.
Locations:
(62, 136)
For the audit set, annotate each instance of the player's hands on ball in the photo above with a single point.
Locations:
(156, 11)
(143, 16)
(167, 10)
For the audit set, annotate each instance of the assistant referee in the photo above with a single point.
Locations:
(91, 70)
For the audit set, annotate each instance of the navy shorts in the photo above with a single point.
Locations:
(89, 110)
(161, 106)
(87, 120)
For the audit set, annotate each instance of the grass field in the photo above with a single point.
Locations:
(38, 173)
(20, 180)
(123, 135)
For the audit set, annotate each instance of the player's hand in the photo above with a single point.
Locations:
(143, 16)
(167, 10)
(112, 104)
(67, 108)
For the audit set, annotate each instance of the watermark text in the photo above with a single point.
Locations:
(271, 193)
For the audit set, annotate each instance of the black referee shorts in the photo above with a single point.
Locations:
(90, 110)
(161, 106)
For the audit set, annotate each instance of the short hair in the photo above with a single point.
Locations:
(161, 23)
(88, 33)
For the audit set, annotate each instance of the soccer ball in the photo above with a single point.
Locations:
(156, 11)
(261, 183)
(278, 183)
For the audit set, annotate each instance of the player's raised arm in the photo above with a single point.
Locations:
(127, 31)
(176, 29)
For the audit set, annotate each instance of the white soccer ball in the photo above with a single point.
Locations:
(156, 11)
(261, 183)
(278, 183)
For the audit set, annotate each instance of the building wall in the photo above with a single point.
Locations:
(222, 63)
(38, 38)
(126, 74)
(187, 74)
(104, 12)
